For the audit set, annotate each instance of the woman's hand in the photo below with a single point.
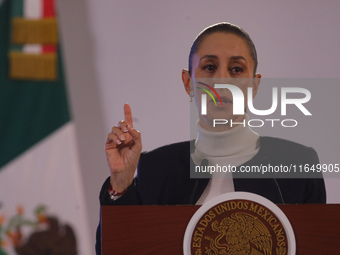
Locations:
(123, 147)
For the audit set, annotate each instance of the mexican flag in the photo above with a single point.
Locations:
(42, 208)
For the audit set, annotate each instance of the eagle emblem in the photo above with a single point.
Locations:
(239, 234)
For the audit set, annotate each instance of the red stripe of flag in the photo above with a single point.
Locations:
(49, 48)
(48, 9)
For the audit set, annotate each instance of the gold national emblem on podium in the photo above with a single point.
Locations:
(239, 226)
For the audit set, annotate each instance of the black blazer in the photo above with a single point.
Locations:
(163, 177)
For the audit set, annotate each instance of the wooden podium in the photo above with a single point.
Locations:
(160, 229)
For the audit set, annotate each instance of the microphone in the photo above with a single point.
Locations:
(204, 163)
(265, 161)
(279, 190)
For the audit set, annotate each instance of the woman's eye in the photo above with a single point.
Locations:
(236, 70)
(210, 68)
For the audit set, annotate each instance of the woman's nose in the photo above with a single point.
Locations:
(223, 73)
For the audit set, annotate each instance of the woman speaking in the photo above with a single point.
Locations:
(221, 52)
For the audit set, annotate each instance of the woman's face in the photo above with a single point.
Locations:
(221, 58)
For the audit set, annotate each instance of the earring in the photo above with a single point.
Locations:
(191, 96)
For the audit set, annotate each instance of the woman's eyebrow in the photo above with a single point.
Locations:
(209, 56)
(238, 57)
(232, 57)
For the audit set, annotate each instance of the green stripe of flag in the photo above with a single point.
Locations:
(16, 47)
(29, 110)
(17, 8)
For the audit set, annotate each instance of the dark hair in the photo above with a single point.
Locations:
(223, 27)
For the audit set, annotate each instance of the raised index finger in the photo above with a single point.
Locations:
(128, 115)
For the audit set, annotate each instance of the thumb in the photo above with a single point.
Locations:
(136, 136)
